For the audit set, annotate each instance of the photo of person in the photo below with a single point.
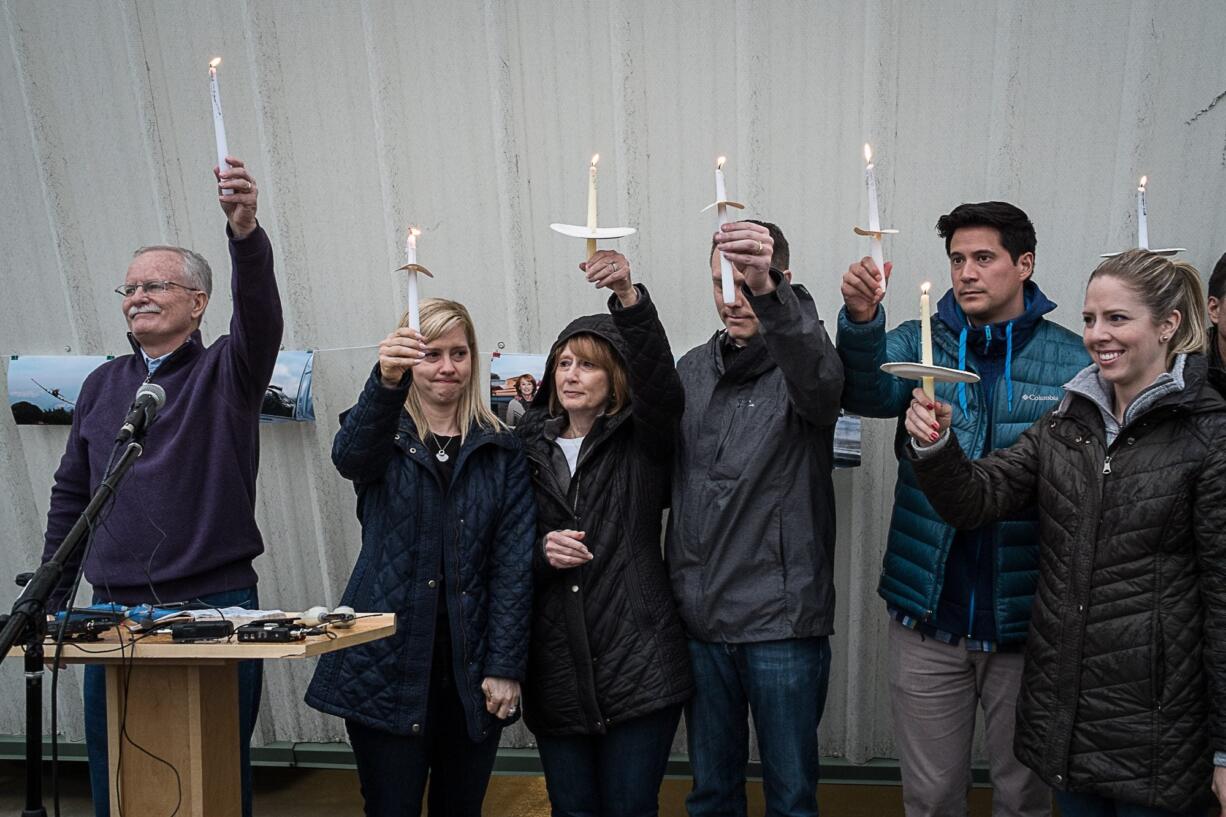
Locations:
(513, 383)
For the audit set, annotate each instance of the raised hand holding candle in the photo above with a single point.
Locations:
(219, 125)
(591, 204)
(874, 214)
(926, 338)
(410, 255)
(721, 218)
(1142, 217)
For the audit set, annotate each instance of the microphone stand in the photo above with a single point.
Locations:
(28, 622)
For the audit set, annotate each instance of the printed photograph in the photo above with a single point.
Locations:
(513, 380)
(43, 389)
(288, 396)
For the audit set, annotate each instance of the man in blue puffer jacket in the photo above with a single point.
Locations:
(960, 600)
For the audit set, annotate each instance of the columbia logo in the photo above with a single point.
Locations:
(1050, 397)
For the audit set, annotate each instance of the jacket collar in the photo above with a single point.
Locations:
(1089, 383)
(751, 362)
(190, 348)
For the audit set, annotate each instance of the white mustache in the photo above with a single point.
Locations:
(136, 310)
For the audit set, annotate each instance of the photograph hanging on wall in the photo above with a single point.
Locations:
(288, 396)
(514, 377)
(43, 389)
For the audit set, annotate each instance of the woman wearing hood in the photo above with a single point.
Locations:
(608, 668)
(1123, 699)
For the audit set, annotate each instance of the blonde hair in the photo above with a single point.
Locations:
(438, 317)
(1164, 286)
(599, 351)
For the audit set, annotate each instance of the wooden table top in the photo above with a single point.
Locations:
(161, 649)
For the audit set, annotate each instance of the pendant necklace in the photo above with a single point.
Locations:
(441, 456)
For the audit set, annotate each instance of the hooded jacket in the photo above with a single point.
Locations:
(1025, 364)
(1122, 691)
(751, 531)
(607, 645)
(460, 549)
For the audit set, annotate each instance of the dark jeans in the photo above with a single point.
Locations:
(250, 679)
(1076, 804)
(616, 774)
(393, 769)
(783, 683)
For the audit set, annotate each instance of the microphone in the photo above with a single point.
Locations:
(149, 398)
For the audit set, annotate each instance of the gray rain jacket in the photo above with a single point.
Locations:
(750, 544)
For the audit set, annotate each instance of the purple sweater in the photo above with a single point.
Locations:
(182, 524)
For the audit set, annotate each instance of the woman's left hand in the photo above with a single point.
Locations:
(501, 697)
(1219, 787)
(608, 268)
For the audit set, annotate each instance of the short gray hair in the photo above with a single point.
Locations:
(195, 269)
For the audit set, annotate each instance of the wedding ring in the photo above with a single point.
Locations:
(759, 250)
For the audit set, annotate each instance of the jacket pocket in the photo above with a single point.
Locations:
(1157, 668)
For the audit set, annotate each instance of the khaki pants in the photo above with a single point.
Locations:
(935, 690)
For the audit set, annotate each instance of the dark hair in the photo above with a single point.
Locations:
(781, 256)
(1016, 231)
(1217, 281)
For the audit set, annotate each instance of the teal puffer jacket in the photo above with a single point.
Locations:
(913, 570)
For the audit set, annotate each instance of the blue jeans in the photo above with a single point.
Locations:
(616, 774)
(783, 683)
(250, 679)
(1077, 804)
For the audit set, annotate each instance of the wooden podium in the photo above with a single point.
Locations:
(182, 707)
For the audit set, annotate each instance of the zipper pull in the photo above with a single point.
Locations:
(1107, 464)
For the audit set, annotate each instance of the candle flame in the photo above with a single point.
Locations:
(924, 287)
(868, 153)
(719, 163)
(595, 159)
(1144, 179)
(216, 61)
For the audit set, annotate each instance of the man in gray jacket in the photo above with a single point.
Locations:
(751, 533)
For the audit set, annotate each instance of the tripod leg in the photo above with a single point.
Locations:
(34, 730)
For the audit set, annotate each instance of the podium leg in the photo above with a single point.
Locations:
(186, 715)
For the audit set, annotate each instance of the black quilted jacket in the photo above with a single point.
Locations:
(1124, 688)
(481, 529)
(607, 643)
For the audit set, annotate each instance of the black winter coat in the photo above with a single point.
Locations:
(1124, 687)
(480, 529)
(607, 643)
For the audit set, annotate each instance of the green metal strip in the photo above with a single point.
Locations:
(287, 754)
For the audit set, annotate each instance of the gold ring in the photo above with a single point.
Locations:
(759, 250)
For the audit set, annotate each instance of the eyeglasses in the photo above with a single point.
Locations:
(151, 288)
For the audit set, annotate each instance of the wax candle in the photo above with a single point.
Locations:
(1142, 217)
(591, 204)
(926, 338)
(874, 215)
(727, 282)
(410, 254)
(219, 125)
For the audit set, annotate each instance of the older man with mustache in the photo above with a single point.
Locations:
(182, 525)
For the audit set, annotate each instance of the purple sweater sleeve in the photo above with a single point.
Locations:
(256, 323)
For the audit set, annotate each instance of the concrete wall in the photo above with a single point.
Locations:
(476, 119)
